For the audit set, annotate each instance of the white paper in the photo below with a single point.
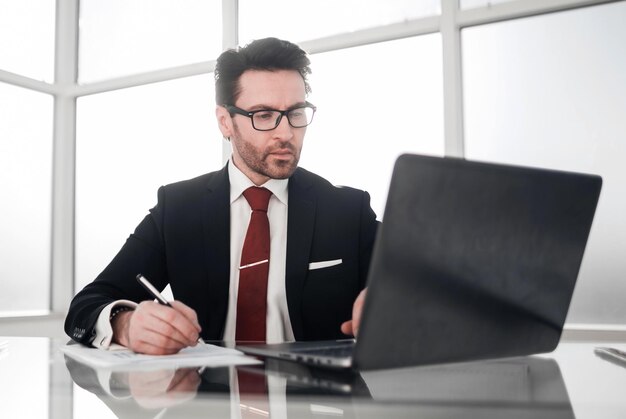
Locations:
(125, 359)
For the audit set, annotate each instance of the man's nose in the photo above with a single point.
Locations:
(284, 130)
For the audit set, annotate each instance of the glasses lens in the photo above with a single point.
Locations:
(300, 117)
(265, 120)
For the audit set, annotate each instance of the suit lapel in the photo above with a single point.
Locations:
(216, 224)
(300, 224)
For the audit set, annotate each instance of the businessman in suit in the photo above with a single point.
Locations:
(318, 237)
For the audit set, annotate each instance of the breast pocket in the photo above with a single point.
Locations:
(324, 264)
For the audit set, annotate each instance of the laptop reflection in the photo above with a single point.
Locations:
(526, 387)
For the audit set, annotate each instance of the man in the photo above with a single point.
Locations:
(318, 246)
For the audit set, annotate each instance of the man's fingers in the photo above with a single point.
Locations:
(145, 340)
(173, 323)
(357, 309)
(188, 312)
(147, 347)
(351, 327)
(155, 318)
(346, 328)
(157, 328)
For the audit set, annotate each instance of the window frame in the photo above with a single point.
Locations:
(66, 90)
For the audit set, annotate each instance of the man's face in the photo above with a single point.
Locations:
(262, 155)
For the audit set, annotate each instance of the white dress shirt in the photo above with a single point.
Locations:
(278, 324)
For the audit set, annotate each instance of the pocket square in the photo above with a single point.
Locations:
(324, 264)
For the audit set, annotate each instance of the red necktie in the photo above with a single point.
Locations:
(254, 269)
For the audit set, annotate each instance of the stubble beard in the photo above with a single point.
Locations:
(262, 162)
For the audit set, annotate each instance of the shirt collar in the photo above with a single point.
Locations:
(240, 182)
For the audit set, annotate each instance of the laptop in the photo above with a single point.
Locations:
(473, 261)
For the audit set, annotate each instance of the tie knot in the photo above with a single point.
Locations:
(258, 198)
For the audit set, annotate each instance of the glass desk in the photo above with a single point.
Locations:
(38, 381)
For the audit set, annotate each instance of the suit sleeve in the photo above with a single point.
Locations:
(142, 253)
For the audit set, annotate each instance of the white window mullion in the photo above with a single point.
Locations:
(230, 39)
(452, 79)
(27, 82)
(64, 150)
(519, 9)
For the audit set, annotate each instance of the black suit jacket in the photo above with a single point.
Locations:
(185, 241)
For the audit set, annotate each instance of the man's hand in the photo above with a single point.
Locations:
(351, 327)
(156, 329)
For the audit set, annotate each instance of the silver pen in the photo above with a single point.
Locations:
(157, 295)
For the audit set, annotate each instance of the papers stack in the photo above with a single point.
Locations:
(125, 359)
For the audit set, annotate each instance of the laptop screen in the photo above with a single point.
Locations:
(473, 261)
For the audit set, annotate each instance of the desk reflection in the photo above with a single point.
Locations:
(526, 387)
(217, 392)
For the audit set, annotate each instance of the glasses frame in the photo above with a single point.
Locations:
(232, 109)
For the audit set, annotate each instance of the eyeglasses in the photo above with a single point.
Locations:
(268, 119)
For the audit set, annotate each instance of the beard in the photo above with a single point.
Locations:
(263, 161)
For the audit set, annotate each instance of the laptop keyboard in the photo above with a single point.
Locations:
(339, 350)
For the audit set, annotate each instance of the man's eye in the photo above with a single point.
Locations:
(264, 115)
(297, 113)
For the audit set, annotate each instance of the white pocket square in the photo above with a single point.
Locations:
(324, 264)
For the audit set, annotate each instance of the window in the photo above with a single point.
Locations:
(542, 91)
(302, 21)
(130, 142)
(469, 4)
(27, 38)
(551, 91)
(26, 183)
(122, 37)
(369, 111)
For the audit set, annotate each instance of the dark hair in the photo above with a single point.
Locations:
(263, 54)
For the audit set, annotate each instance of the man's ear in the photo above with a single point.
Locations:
(224, 121)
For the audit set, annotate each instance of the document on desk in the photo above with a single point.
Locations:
(125, 359)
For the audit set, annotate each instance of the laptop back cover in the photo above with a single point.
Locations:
(473, 261)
